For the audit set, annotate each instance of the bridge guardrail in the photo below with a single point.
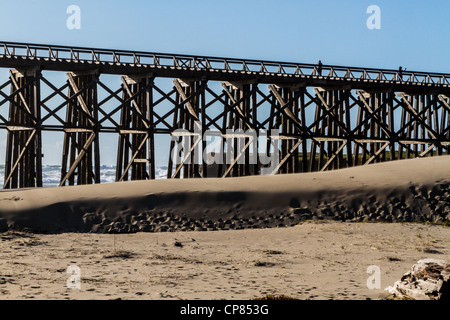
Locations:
(138, 58)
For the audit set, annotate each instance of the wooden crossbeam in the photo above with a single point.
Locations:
(79, 97)
(122, 103)
(17, 87)
(329, 111)
(442, 98)
(372, 113)
(186, 156)
(424, 153)
(19, 128)
(431, 132)
(10, 99)
(72, 130)
(133, 101)
(184, 97)
(53, 112)
(333, 156)
(374, 116)
(236, 103)
(19, 158)
(79, 158)
(447, 107)
(233, 101)
(286, 157)
(284, 107)
(235, 160)
(377, 153)
(231, 108)
(133, 158)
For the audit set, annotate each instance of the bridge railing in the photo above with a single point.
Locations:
(194, 62)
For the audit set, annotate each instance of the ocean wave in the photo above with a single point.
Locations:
(51, 174)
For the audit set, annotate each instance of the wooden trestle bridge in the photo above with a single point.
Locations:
(326, 119)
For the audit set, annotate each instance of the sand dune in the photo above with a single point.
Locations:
(406, 190)
(319, 253)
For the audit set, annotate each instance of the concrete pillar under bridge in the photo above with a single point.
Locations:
(23, 164)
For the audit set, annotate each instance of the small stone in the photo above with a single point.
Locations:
(178, 244)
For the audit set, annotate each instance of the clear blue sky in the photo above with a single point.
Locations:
(413, 33)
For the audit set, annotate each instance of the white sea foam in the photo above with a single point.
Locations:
(51, 174)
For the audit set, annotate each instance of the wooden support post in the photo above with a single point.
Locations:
(189, 116)
(23, 165)
(135, 155)
(348, 121)
(391, 124)
(290, 107)
(240, 120)
(81, 150)
(314, 164)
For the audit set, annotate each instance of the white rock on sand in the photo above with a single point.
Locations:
(428, 279)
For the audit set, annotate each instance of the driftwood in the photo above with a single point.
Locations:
(428, 279)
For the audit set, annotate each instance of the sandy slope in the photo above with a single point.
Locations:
(407, 190)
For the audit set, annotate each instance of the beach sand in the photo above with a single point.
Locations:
(308, 236)
(313, 260)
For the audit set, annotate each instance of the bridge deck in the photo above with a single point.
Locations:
(107, 61)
